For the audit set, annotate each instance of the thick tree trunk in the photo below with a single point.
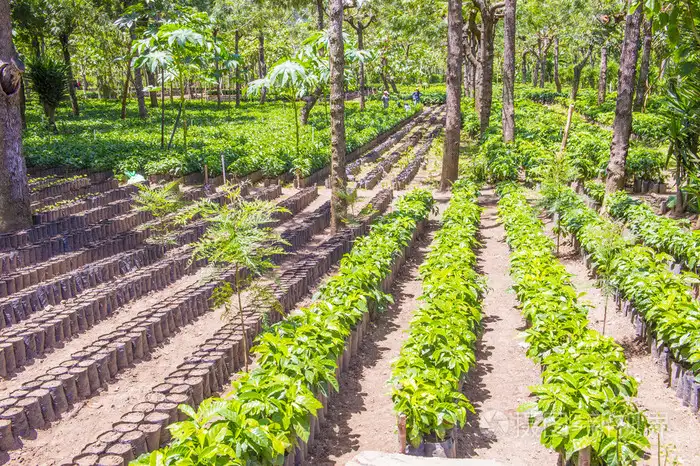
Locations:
(508, 116)
(603, 77)
(15, 212)
(486, 62)
(644, 67)
(237, 40)
(338, 145)
(262, 66)
(622, 125)
(557, 81)
(453, 124)
(64, 40)
(319, 13)
(360, 46)
(152, 83)
(23, 104)
(138, 83)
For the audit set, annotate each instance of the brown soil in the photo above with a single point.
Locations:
(681, 428)
(499, 382)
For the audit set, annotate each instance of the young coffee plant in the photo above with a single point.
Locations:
(162, 202)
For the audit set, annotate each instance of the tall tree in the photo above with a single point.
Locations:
(557, 81)
(338, 146)
(490, 14)
(262, 64)
(453, 124)
(64, 15)
(15, 212)
(359, 20)
(603, 76)
(622, 125)
(509, 71)
(644, 66)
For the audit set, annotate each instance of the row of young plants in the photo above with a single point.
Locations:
(638, 274)
(664, 234)
(270, 408)
(439, 351)
(251, 138)
(585, 398)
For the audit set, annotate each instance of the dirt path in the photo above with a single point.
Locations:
(499, 383)
(361, 416)
(681, 427)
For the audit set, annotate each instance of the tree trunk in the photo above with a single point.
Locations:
(217, 69)
(603, 77)
(64, 39)
(337, 80)
(360, 47)
(525, 68)
(138, 82)
(262, 66)
(453, 124)
(309, 103)
(319, 13)
(486, 61)
(578, 68)
(622, 126)
(644, 67)
(508, 116)
(238, 69)
(557, 81)
(125, 90)
(15, 212)
(152, 83)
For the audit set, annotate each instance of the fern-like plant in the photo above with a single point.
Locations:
(240, 239)
(161, 202)
(49, 79)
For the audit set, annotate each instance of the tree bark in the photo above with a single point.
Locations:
(152, 83)
(337, 99)
(488, 23)
(217, 69)
(622, 125)
(525, 67)
(644, 67)
(125, 90)
(508, 116)
(603, 77)
(557, 81)
(360, 47)
(64, 40)
(453, 124)
(578, 68)
(309, 103)
(15, 212)
(23, 104)
(138, 82)
(319, 13)
(262, 66)
(238, 68)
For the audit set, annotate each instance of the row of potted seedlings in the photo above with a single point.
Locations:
(584, 404)
(274, 411)
(210, 368)
(659, 302)
(434, 361)
(40, 401)
(406, 175)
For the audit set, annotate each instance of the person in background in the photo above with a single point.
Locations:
(416, 97)
(385, 99)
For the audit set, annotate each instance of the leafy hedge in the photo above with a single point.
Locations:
(585, 399)
(639, 274)
(439, 351)
(271, 406)
(661, 233)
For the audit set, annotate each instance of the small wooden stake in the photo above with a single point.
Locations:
(223, 167)
(402, 433)
(567, 127)
(584, 457)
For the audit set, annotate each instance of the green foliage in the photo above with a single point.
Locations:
(585, 399)
(439, 351)
(638, 273)
(49, 80)
(645, 164)
(270, 406)
(161, 203)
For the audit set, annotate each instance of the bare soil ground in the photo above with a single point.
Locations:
(680, 429)
(499, 382)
